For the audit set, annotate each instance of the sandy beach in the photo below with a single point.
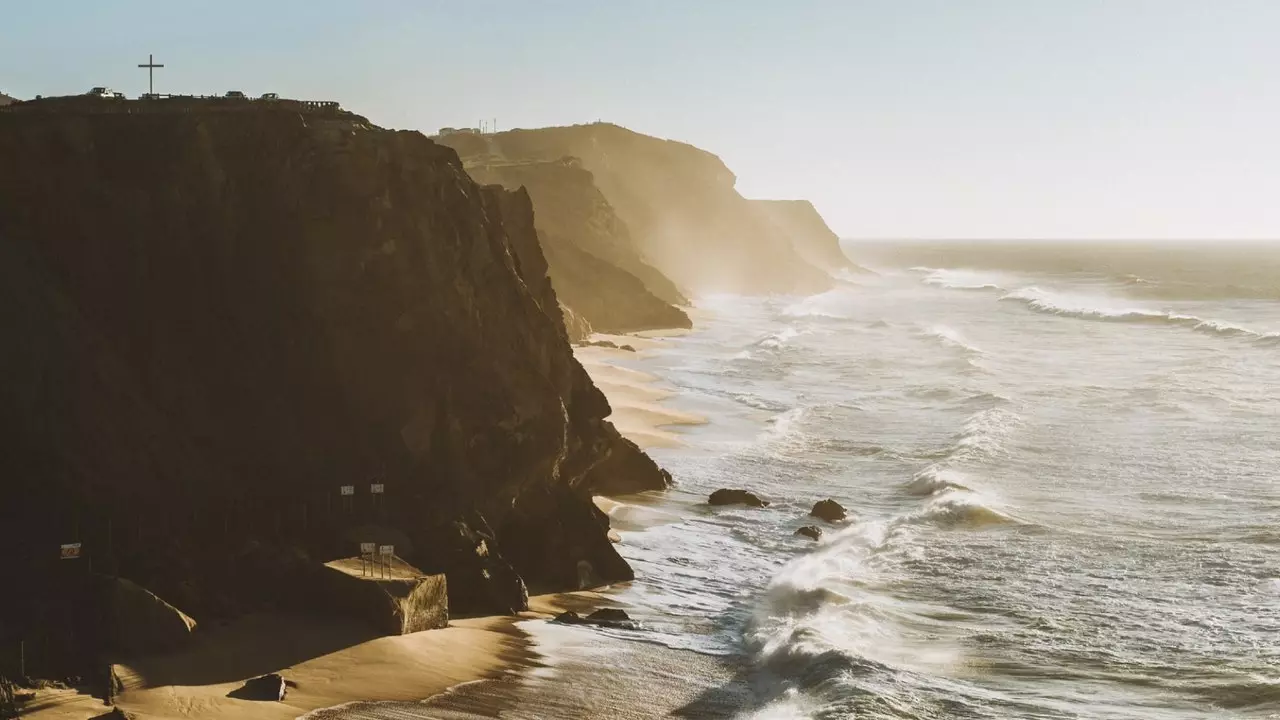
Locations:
(636, 397)
(327, 662)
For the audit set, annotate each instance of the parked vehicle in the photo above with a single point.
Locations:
(101, 92)
(236, 95)
(270, 97)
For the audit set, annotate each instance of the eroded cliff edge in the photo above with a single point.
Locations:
(214, 320)
(593, 263)
(680, 203)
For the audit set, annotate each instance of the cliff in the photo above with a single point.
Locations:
(680, 204)
(593, 262)
(813, 240)
(214, 320)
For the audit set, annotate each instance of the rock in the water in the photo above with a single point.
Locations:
(604, 617)
(266, 687)
(609, 615)
(604, 344)
(828, 510)
(628, 348)
(810, 531)
(736, 497)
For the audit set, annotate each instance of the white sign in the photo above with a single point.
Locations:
(376, 488)
(368, 548)
(70, 551)
(348, 489)
(387, 550)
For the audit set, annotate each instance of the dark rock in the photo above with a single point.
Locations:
(609, 615)
(628, 348)
(810, 531)
(115, 714)
(270, 687)
(828, 510)
(604, 617)
(736, 497)
(604, 344)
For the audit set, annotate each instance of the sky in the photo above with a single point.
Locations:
(897, 118)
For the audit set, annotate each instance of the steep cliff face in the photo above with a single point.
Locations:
(594, 264)
(679, 202)
(213, 321)
(813, 240)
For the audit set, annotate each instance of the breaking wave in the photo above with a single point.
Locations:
(934, 479)
(1110, 310)
(960, 279)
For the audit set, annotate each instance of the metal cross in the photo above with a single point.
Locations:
(151, 73)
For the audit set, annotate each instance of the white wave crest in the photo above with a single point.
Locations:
(965, 279)
(959, 508)
(952, 338)
(935, 479)
(1100, 308)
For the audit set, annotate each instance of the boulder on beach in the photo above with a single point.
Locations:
(828, 510)
(604, 617)
(609, 615)
(810, 531)
(725, 496)
(269, 687)
(628, 348)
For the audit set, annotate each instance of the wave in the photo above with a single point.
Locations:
(839, 303)
(958, 508)
(950, 337)
(934, 479)
(962, 279)
(1105, 309)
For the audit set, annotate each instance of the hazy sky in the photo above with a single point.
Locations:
(925, 118)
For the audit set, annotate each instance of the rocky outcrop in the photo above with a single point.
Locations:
(141, 623)
(594, 264)
(808, 233)
(215, 320)
(270, 687)
(6, 100)
(684, 215)
(576, 325)
(828, 510)
(726, 496)
(813, 532)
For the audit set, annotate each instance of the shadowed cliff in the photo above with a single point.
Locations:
(594, 265)
(214, 320)
(679, 202)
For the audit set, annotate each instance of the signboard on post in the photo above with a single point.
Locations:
(367, 550)
(377, 488)
(70, 551)
(387, 552)
(347, 490)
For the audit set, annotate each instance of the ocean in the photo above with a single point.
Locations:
(1062, 467)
